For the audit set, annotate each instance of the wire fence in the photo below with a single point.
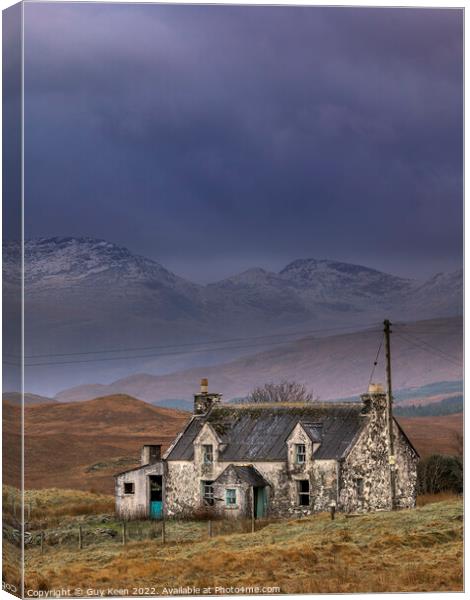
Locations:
(106, 529)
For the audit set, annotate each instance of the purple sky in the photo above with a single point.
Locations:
(214, 139)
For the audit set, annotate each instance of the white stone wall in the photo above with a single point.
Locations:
(369, 462)
(130, 506)
(184, 492)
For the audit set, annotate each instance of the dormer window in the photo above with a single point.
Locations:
(207, 454)
(300, 454)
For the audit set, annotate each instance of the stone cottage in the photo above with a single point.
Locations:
(280, 460)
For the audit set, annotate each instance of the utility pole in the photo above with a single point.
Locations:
(391, 458)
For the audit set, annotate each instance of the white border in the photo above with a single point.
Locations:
(352, 3)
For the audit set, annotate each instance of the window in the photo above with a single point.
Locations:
(128, 488)
(207, 454)
(303, 488)
(208, 492)
(231, 497)
(359, 485)
(300, 454)
(155, 454)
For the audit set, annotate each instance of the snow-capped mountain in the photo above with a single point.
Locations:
(85, 295)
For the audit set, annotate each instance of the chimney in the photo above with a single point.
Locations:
(204, 401)
(375, 399)
(151, 453)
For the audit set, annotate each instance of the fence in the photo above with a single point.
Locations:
(171, 531)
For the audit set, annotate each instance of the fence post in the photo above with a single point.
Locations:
(163, 531)
(209, 528)
(80, 537)
(124, 533)
(252, 510)
(42, 542)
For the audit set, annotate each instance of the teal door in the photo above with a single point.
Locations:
(156, 496)
(156, 509)
(260, 502)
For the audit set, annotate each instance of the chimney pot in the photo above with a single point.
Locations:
(204, 385)
(376, 388)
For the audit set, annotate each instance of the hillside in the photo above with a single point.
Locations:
(82, 445)
(29, 399)
(85, 295)
(418, 550)
(443, 434)
(333, 367)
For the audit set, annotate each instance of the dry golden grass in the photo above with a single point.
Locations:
(433, 498)
(414, 550)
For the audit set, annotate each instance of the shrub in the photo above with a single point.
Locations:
(440, 473)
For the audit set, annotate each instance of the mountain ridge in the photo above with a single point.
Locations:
(87, 295)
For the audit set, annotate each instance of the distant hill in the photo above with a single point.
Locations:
(85, 295)
(442, 435)
(29, 399)
(448, 406)
(82, 445)
(332, 367)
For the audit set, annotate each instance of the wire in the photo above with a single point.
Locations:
(180, 352)
(431, 347)
(453, 360)
(376, 359)
(189, 344)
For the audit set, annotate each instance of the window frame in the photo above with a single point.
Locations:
(298, 454)
(302, 494)
(208, 498)
(132, 487)
(208, 454)
(228, 496)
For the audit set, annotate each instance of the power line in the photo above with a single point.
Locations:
(180, 352)
(192, 344)
(376, 359)
(431, 347)
(419, 345)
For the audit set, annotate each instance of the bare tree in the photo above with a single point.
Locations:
(285, 391)
(457, 443)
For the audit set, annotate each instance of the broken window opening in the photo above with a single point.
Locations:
(208, 454)
(155, 454)
(208, 492)
(303, 488)
(359, 485)
(128, 488)
(300, 454)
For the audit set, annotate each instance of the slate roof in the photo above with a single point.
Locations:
(259, 432)
(247, 474)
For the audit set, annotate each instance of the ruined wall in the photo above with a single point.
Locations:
(135, 505)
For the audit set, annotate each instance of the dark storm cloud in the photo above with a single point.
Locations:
(256, 134)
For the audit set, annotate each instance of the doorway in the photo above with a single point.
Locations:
(259, 502)
(156, 496)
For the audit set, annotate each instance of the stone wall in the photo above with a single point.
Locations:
(184, 489)
(365, 474)
(406, 470)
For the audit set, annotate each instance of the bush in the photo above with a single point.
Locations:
(440, 473)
